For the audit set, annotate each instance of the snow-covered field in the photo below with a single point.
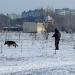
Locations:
(36, 57)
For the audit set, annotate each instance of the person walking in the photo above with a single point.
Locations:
(57, 36)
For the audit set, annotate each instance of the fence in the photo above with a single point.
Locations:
(28, 46)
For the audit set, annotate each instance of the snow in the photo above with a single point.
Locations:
(36, 57)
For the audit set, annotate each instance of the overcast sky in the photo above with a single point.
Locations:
(17, 6)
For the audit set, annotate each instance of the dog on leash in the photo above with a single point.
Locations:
(10, 43)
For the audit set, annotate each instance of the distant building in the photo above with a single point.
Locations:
(29, 27)
(40, 27)
(62, 11)
(72, 11)
(13, 16)
(65, 18)
(36, 15)
(65, 11)
(33, 27)
(31, 14)
(12, 28)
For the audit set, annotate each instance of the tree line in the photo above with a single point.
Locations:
(64, 23)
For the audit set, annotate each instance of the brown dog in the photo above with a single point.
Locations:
(9, 43)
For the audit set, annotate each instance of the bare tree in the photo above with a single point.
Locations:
(46, 33)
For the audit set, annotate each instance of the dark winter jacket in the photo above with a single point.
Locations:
(57, 35)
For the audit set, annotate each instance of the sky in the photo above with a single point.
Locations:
(17, 6)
